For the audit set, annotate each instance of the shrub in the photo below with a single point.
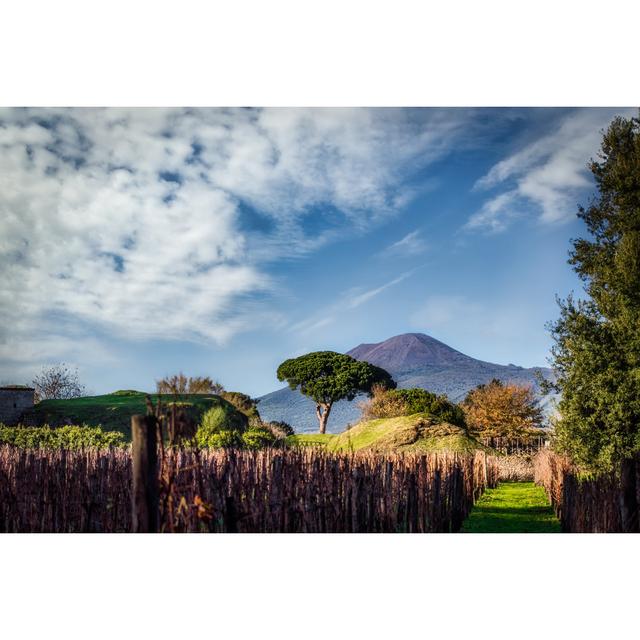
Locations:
(180, 385)
(279, 428)
(219, 439)
(67, 437)
(218, 419)
(258, 438)
(221, 428)
(383, 404)
(404, 402)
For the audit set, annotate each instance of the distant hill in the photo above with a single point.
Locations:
(414, 360)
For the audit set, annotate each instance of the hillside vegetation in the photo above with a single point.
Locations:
(113, 411)
(415, 433)
(414, 360)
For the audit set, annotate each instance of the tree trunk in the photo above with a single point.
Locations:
(629, 496)
(323, 411)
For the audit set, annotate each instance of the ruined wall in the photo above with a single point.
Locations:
(14, 401)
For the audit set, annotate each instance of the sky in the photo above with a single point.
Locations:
(137, 243)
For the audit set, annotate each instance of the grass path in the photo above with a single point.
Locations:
(512, 507)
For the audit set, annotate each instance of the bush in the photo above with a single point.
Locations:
(67, 437)
(243, 403)
(383, 404)
(219, 419)
(221, 428)
(219, 439)
(280, 429)
(258, 438)
(405, 402)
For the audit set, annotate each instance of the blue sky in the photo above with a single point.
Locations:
(135, 243)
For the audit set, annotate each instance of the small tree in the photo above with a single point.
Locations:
(58, 382)
(501, 410)
(181, 385)
(327, 376)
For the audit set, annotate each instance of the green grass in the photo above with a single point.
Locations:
(113, 411)
(411, 434)
(310, 439)
(512, 507)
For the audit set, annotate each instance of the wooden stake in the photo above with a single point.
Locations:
(144, 494)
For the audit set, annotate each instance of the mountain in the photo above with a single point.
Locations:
(414, 360)
(408, 351)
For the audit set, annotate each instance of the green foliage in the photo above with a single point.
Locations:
(327, 376)
(438, 406)
(244, 403)
(310, 439)
(218, 439)
(112, 412)
(418, 433)
(217, 419)
(258, 438)
(67, 437)
(220, 428)
(596, 354)
(405, 402)
(280, 428)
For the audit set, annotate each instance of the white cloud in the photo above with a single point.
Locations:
(311, 325)
(360, 298)
(130, 220)
(547, 174)
(351, 299)
(412, 244)
(495, 214)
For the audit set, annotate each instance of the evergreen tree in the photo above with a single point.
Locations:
(327, 377)
(597, 340)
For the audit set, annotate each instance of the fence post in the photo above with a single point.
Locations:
(144, 494)
(628, 496)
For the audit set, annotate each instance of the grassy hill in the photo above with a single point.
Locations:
(415, 433)
(113, 411)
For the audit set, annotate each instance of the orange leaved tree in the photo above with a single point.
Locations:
(502, 410)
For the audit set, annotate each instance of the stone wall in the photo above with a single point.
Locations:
(14, 401)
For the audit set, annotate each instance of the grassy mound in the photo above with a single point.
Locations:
(416, 433)
(310, 439)
(113, 411)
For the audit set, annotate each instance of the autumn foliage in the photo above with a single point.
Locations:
(180, 385)
(502, 410)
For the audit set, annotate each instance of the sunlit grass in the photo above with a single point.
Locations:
(513, 507)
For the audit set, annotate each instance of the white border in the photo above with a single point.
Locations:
(319, 586)
(333, 52)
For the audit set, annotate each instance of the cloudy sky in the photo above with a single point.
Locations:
(137, 243)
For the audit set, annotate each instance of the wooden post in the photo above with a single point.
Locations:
(628, 497)
(144, 494)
